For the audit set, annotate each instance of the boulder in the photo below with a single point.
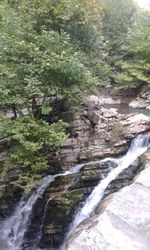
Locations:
(93, 98)
(138, 103)
(135, 118)
(135, 124)
(142, 100)
(108, 113)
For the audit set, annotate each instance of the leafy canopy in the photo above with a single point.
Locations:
(134, 66)
(41, 61)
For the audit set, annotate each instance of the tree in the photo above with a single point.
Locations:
(119, 17)
(134, 66)
(39, 64)
(81, 21)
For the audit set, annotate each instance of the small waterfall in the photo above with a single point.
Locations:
(43, 219)
(138, 146)
(15, 227)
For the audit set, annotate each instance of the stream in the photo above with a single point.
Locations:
(14, 228)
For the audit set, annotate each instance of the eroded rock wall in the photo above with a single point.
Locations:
(122, 220)
(97, 133)
(63, 198)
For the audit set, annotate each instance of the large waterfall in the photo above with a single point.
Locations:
(15, 227)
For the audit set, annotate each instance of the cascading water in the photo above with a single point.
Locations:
(43, 219)
(15, 227)
(138, 146)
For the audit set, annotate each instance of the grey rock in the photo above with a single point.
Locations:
(123, 223)
(108, 113)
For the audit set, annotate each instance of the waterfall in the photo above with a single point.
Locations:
(15, 227)
(138, 146)
(43, 219)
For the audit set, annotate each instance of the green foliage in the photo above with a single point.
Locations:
(117, 130)
(43, 59)
(119, 17)
(27, 181)
(30, 138)
(134, 68)
(60, 50)
(45, 66)
(126, 32)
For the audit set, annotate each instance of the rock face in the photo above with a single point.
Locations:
(55, 210)
(122, 221)
(9, 194)
(99, 132)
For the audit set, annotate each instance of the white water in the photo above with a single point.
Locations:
(138, 147)
(15, 227)
(43, 219)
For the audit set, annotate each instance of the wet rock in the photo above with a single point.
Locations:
(97, 133)
(120, 143)
(124, 178)
(145, 158)
(9, 196)
(62, 198)
(121, 218)
(87, 142)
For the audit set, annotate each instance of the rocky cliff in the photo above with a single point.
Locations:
(99, 131)
(122, 220)
(105, 127)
